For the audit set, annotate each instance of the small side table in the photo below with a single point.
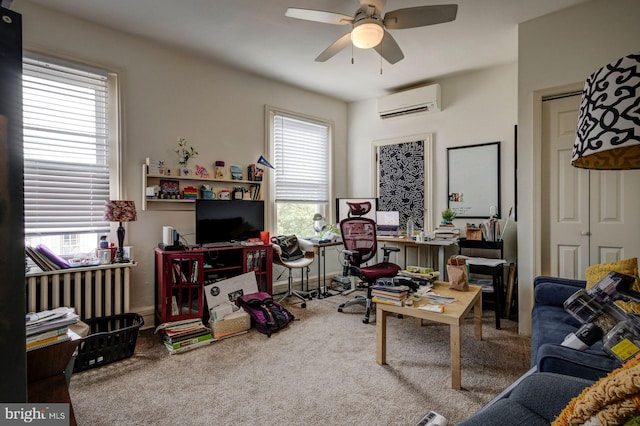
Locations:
(46, 381)
(488, 266)
(320, 249)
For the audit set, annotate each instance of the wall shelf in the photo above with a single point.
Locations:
(182, 204)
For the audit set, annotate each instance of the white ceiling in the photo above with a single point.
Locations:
(255, 35)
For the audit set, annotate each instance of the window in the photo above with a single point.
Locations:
(300, 149)
(68, 142)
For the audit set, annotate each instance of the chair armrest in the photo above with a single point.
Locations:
(552, 358)
(560, 281)
(276, 249)
(554, 291)
(347, 253)
(388, 249)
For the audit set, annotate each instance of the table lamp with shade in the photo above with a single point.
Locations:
(120, 211)
(608, 132)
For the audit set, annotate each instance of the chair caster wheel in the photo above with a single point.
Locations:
(365, 320)
(340, 309)
(304, 305)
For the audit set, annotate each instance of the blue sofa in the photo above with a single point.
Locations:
(550, 324)
(558, 373)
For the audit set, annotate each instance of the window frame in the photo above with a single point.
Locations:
(113, 119)
(270, 194)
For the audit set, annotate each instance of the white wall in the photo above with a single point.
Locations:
(555, 51)
(477, 107)
(167, 93)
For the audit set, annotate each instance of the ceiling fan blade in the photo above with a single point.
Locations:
(337, 46)
(389, 49)
(420, 16)
(319, 16)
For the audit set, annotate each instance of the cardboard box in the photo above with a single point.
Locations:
(223, 293)
(231, 324)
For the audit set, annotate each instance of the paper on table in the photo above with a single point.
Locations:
(482, 261)
(438, 298)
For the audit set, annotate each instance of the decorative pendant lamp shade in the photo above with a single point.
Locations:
(608, 134)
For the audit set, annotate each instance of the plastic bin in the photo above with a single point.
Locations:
(111, 339)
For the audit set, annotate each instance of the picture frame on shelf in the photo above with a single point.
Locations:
(154, 167)
(169, 188)
(236, 172)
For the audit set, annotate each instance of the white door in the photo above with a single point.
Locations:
(589, 216)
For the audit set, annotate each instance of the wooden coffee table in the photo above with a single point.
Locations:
(453, 315)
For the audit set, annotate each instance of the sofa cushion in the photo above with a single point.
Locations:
(595, 273)
(536, 400)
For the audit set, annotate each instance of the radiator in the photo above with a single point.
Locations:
(93, 291)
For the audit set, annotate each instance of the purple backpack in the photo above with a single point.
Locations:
(267, 315)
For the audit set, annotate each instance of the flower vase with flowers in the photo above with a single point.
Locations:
(184, 154)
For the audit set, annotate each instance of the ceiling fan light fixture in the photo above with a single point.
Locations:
(367, 33)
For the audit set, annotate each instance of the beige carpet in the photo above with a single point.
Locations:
(321, 370)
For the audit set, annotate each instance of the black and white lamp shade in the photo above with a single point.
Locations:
(608, 132)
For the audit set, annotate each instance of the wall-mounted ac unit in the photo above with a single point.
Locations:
(420, 99)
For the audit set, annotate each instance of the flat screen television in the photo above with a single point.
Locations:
(225, 221)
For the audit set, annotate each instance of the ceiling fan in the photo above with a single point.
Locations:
(369, 27)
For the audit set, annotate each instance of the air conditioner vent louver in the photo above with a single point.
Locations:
(413, 101)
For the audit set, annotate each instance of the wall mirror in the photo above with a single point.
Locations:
(473, 185)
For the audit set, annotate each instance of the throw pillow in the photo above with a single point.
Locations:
(595, 273)
(612, 400)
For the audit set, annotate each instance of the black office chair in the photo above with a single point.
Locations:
(359, 240)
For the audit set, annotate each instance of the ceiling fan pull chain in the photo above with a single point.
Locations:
(380, 64)
(352, 54)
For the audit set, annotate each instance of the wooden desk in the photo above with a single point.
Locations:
(407, 242)
(453, 315)
(46, 380)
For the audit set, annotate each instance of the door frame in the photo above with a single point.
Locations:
(538, 96)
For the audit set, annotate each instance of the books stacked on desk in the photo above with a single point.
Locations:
(389, 295)
(181, 336)
(46, 328)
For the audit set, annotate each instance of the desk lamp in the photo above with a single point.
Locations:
(608, 133)
(319, 224)
(120, 211)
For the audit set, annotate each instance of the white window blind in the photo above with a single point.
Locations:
(301, 160)
(66, 173)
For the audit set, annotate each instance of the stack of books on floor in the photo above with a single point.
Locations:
(47, 328)
(181, 336)
(389, 295)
